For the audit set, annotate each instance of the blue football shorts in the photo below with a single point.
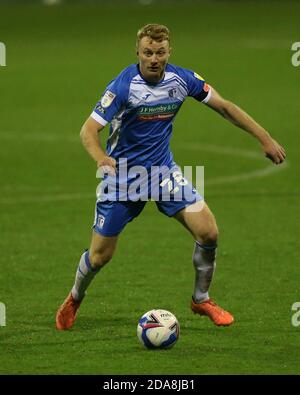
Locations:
(112, 216)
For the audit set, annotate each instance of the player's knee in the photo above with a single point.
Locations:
(212, 236)
(100, 258)
(209, 236)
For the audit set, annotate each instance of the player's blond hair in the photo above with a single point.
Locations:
(155, 31)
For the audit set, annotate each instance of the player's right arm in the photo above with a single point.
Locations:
(89, 135)
(113, 99)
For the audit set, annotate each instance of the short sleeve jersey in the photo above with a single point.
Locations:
(141, 114)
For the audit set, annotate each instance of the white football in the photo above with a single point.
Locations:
(158, 329)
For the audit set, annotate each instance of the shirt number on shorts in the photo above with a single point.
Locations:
(178, 179)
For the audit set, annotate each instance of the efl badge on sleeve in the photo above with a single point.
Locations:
(107, 99)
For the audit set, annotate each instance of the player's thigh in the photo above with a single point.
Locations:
(200, 221)
(102, 248)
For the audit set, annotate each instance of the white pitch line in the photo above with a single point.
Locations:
(43, 137)
(217, 149)
(264, 172)
(49, 198)
(266, 43)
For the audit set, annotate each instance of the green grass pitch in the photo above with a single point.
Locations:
(59, 60)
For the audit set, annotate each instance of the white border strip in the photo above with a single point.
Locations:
(99, 119)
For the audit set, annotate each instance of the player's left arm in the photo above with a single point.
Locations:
(271, 148)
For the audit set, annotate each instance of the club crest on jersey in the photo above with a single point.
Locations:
(107, 99)
(172, 93)
(198, 76)
(101, 220)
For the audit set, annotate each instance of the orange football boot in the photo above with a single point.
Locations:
(66, 314)
(218, 316)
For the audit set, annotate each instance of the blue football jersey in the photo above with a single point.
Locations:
(141, 114)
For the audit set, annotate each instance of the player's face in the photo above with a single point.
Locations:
(153, 58)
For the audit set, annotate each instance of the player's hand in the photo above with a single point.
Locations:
(107, 165)
(274, 151)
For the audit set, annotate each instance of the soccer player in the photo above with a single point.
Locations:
(140, 105)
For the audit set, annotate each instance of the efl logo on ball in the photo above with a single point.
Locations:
(158, 329)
